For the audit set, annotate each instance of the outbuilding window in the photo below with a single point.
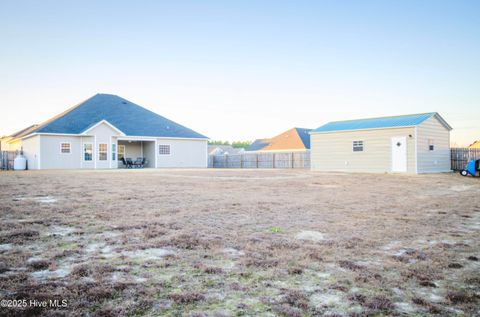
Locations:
(431, 146)
(65, 148)
(102, 152)
(87, 151)
(357, 146)
(164, 149)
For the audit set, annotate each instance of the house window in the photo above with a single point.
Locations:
(102, 152)
(357, 146)
(114, 152)
(164, 149)
(121, 152)
(431, 146)
(65, 148)
(87, 151)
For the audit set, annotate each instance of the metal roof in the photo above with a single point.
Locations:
(378, 123)
(131, 119)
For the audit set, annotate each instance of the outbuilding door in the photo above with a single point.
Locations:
(399, 154)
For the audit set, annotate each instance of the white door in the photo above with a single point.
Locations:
(399, 154)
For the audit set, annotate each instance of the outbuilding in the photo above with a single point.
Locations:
(107, 131)
(417, 143)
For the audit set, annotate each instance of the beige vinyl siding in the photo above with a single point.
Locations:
(437, 160)
(50, 155)
(183, 153)
(133, 150)
(31, 149)
(334, 152)
(149, 153)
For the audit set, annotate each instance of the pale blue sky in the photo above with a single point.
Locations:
(240, 70)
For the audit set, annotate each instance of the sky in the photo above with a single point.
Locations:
(241, 70)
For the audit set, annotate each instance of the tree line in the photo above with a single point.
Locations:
(234, 144)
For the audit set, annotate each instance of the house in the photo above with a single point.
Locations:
(417, 143)
(293, 140)
(12, 142)
(224, 150)
(102, 130)
(475, 145)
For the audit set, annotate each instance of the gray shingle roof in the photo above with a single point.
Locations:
(258, 144)
(131, 119)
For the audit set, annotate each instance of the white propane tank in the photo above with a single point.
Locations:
(20, 163)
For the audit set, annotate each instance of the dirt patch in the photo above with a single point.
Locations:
(313, 236)
(149, 254)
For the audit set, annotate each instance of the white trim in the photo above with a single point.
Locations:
(151, 138)
(124, 137)
(111, 152)
(110, 149)
(81, 149)
(39, 151)
(94, 152)
(83, 152)
(105, 122)
(156, 155)
(442, 121)
(43, 133)
(69, 148)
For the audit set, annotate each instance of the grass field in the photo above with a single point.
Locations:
(240, 243)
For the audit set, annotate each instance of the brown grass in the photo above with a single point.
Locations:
(225, 242)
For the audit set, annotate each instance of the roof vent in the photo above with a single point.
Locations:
(124, 102)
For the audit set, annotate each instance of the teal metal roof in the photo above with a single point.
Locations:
(378, 123)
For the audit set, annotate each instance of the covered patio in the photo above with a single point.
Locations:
(136, 150)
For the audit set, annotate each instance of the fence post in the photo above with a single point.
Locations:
(293, 157)
(241, 160)
(257, 160)
(226, 160)
(273, 160)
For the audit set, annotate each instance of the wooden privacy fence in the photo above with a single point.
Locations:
(6, 159)
(261, 160)
(460, 157)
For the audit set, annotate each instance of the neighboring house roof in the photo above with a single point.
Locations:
(304, 135)
(17, 135)
(23, 132)
(293, 139)
(222, 149)
(475, 145)
(379, 123)
(130, 118)
(258, 144)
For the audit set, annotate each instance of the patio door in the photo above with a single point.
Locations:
(121, 152)
(399, 154)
